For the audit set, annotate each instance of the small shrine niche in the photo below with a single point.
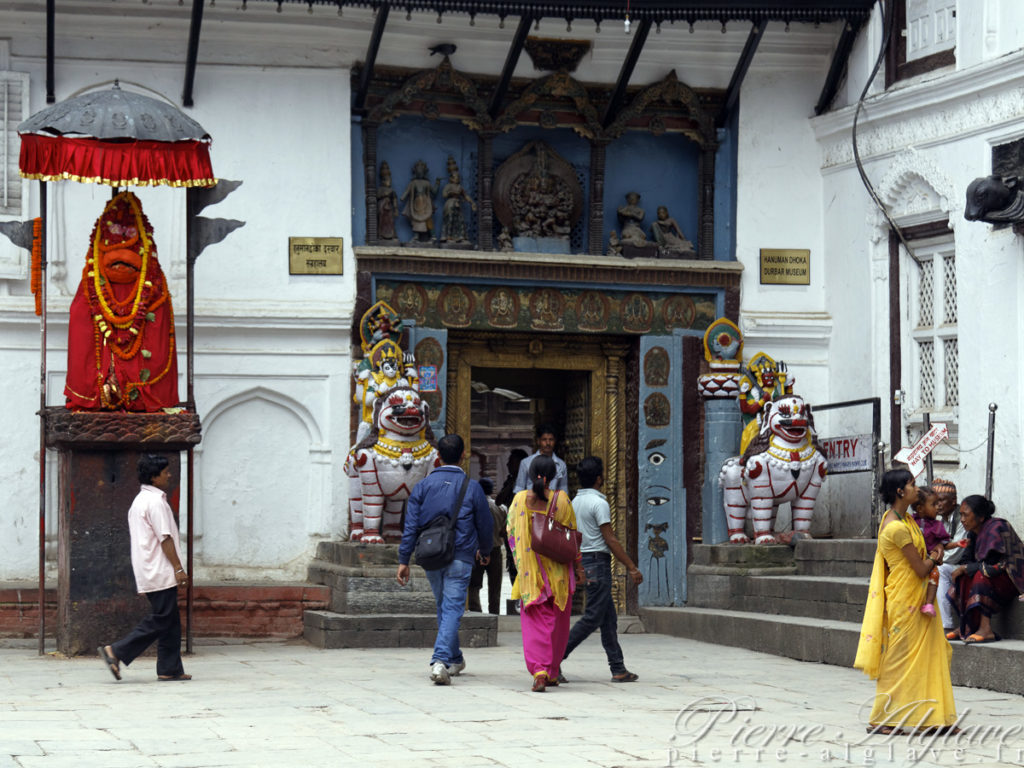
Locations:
(547, 170)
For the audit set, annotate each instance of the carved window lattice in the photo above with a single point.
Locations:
(949, 289)
(926, 296)
(951, 371)
(13, 110)
(926, 371)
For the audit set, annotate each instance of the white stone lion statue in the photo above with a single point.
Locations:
(783, 463)
(387, 463)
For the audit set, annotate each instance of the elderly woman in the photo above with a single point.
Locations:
(899, 646)
(990, 574)
(544, 586)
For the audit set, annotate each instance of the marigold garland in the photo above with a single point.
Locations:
(37, 263)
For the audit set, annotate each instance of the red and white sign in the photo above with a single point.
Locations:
(915, 456)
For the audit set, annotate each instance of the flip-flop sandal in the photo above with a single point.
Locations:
(626, 677)
(173, 678)
(561, 680)
(953, 635)
(111, 663)
(977, 639)
(539, 683)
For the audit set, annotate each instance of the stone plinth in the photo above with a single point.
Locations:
(98, 454)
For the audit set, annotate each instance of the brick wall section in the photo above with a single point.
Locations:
(270, 610)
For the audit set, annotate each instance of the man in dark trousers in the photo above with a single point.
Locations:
(435, 495)
(156, 561)
(593, 518)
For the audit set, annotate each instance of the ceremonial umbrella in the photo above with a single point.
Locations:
(116, 137)
(120, 138)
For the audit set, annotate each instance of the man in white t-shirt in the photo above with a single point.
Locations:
(594, 521)
(156, 561)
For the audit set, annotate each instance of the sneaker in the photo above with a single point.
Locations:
(456, 669)
(439, 674)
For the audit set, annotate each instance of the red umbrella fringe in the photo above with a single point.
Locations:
(117, 163)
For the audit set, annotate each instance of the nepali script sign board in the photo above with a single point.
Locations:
(914, 456)
(851, 453)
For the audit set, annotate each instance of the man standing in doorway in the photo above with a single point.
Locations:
(593, 517)
(156, 561)
(546, 440)
(435, 495)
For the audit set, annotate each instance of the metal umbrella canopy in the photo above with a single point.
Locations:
(116, 137)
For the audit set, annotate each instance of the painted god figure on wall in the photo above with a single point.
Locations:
(453, 221)
(121, 351)
(419, 203)
(387, 206)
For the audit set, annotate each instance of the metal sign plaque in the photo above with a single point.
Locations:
(785, 266)
(315, 255)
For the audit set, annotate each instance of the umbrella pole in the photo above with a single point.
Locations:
(190, 263)
(42, 419)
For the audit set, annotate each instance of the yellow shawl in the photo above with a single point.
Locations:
(530, 581)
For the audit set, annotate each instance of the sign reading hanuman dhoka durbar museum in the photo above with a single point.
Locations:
(785, 266)
(314, 255)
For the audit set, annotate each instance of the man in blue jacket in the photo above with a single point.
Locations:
(435, 495)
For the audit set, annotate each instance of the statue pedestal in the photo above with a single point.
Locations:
(98, 452)
(541, 244)
(723, 423)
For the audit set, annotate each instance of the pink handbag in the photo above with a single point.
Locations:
(551, 538)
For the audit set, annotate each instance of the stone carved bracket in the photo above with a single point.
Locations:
(120, 430)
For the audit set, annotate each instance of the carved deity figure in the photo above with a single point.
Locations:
(614, 244)
(383, 366)
(761, 380)
(505, 240)
(419, 202)
(784, 463)
(453, 222)
(667, 233)
(121, 352)
(631, 217)
(387, 206)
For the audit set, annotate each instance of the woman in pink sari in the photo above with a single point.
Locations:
(544, 586)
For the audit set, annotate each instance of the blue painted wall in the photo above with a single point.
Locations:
(663, 169)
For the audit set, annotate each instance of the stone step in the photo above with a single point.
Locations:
(828, 642)
(357, 554)
(328, 629)
(836, 598)
(835, 557)
(373, 589)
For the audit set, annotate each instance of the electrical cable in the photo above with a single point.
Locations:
(888, 12)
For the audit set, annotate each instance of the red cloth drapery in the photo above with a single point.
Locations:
(117, 163)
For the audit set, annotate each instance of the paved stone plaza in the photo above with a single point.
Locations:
(288, 704)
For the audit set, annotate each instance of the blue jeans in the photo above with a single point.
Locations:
(449, 585)
(600, 611)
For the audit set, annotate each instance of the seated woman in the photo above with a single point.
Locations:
(991, 573)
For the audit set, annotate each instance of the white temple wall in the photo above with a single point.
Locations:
(922, 144)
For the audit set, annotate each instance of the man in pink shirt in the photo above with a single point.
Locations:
(156, 561)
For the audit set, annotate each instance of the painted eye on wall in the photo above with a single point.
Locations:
(657, 501)
(657, 458)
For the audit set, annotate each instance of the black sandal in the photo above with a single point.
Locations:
(625, 677)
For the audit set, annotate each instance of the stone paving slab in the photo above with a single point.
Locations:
(279, 703)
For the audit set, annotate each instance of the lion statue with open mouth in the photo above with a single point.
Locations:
(387, 463)
(783, 463)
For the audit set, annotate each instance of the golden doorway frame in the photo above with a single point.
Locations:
(603, 359)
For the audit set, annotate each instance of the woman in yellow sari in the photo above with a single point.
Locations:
(544, 586)
(904, 649)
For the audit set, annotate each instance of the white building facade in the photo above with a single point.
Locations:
(273, 351)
